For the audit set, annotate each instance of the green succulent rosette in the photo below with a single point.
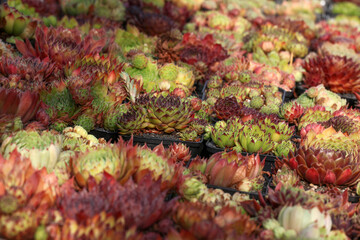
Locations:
(169, 113)
(16, 24)
(94, 162)
(43, 148)
(131, 121)
(280, 131)
(224, 134)
(253, 139)
(282, 149)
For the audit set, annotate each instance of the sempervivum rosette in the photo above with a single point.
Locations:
(339, 74)
(291, 112)
(15, 23)
(131, 121)
(26, 194)
(160, 164)
(119, 160)
(313, 115)
(227, 107)
(61, 45)
(224, 134)
(253, 138)
(279, 130)
(43, 148)
(328, 138)
(169, 113)
(26, 73)
(231, 169)
(188, 213)
(19, 104)
(343, 124)
(326, 167)
(109, 210)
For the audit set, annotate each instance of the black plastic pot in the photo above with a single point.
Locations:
(195, 147)
(287, 95)
(354, 199)
(200, 90)
(211, 148)
(252, 195)
(203, 92)
(107, 135)
(350, 98)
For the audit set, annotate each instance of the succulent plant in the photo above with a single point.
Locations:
(270, 109)
(207, 51)
(224, 134)
(338, 74)
(192, 188)
(179, 152)
(330, 100)
(343, 124)
(60, 104)
(111, 118)
(169, 113)
(219, 21)
(157, 162)
(279, 130)
(285, 176)
(23, 104)
(77, 139)
(130, 121)
(149, 73)
(291, 112)
(313, 115)
(329, 138)
(133, 39)
(26, 196)
(119, 160)
(226, 107)
(257, 102)
(237, 91)
(15, 23)
(305, 101)
(188, 135)
(253, 139)
(87, 120)
(190, 5)
(229, 169)
(283, 148)
(322, 166)
(111, 214)
(26, 74)
(169, 72)
(9, 125)
(61, 45)
(113, 10)
(188, 213)
(80, 88)
(313, 223)
(234, 69)
(42, 149)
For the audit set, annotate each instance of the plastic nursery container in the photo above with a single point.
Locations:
(107, 135)
(354, 199)
(199, 89)
(287, 95)
(252, 195)
(211, 148)
(203, 91)
(350, 98)
(195, 147)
